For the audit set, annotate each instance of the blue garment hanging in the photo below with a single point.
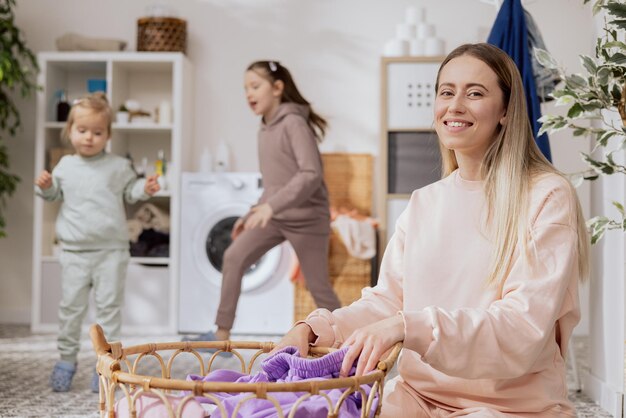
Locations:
(510, 33)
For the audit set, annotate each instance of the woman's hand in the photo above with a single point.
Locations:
(152, 184)
(260, 215)
(299, 336)
(369, 343)
(44, 181)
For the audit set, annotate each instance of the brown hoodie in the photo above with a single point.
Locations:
(291, 166)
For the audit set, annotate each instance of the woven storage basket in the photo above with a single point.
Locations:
(348, 178)
(161, 34)
(129, 373)
(349, 181)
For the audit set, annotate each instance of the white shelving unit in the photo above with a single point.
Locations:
(149, 78)
(409, 153)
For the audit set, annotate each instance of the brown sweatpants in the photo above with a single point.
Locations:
(251, 244)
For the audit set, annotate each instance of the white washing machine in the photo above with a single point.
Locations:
(211, 203)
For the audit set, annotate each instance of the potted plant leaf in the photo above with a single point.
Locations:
(594, 100)
(18, 69)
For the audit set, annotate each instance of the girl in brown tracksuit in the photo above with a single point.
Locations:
(294, 204)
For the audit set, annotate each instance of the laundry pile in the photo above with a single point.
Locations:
(357, 231)
(284, 366)
(149, 231)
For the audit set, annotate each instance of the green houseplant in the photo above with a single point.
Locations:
(592, 100)
(18, 68)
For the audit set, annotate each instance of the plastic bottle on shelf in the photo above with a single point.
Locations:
(160, 166)
(63, 107)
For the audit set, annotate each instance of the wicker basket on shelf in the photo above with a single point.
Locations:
(348, 178)
(161, 34)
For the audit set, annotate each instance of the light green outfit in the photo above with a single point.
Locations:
(91, 228)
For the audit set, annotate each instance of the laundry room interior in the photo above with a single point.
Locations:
(183, 112)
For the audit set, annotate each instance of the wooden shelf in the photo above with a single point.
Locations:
(407, 101)
(151, 261)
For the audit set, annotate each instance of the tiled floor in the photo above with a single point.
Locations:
(26, 361)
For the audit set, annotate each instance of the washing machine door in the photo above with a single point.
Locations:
(212, 239)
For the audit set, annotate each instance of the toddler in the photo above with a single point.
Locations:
(91, 228)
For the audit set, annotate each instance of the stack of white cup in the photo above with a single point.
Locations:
(414, 36)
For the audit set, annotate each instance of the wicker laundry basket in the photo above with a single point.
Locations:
(118, 367)
(348, 178)
(161, 34)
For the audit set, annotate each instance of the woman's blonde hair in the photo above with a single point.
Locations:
(510, 165)
(274, 71)
(96, 102)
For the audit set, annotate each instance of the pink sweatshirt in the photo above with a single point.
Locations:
(468, 344)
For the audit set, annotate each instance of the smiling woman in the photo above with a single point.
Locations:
(481, 287)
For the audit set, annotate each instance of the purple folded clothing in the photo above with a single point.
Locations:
(287, 366)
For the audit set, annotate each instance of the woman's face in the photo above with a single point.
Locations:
(469, 106)
(263, 96)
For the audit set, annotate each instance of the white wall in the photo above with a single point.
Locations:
(332, 48)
